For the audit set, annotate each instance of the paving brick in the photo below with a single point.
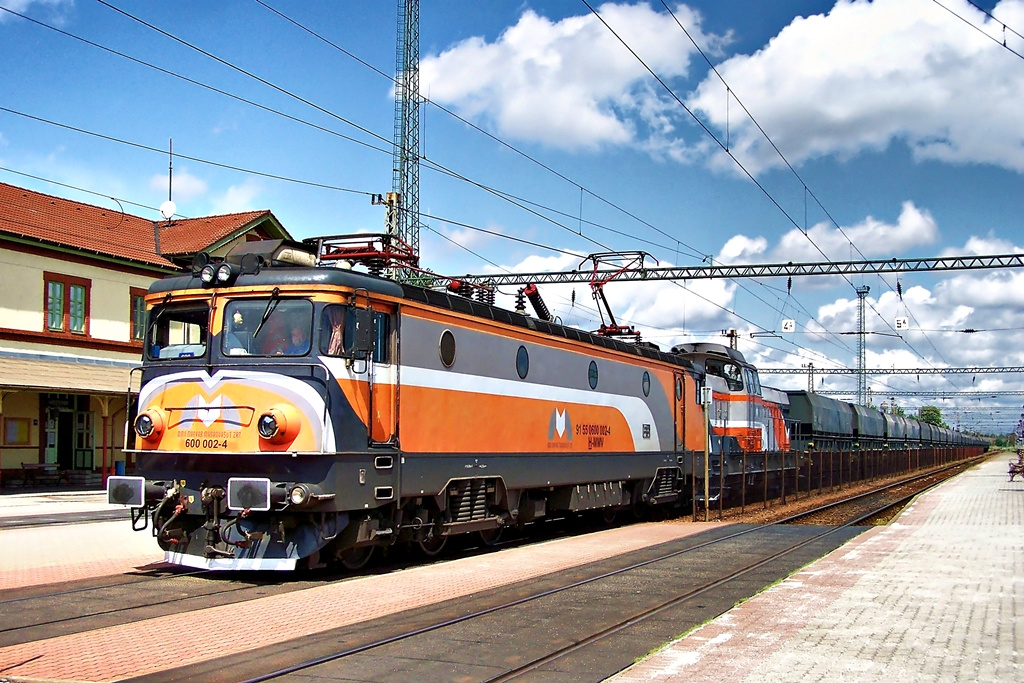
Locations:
(122, 651)
(934, 596)
(69, 552)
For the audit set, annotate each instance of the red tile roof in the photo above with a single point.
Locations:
(191, 235)
(58, 221)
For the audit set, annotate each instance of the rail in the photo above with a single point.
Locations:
(624, 623)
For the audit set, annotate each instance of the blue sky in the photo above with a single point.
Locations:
(898, 122)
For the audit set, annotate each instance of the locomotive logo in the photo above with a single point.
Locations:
(560, 426)
(217, 409)
(208, 413)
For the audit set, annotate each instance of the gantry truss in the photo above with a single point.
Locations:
(890, 371)
(749, 271)
(924, 394)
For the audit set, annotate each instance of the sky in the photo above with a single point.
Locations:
(714, 132)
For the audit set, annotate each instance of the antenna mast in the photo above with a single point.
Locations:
(404, 199)
(170, 167)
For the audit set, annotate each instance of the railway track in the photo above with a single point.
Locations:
(39, 611)
(671, 586)
(588, 647)
(35, 521)
(878, 500)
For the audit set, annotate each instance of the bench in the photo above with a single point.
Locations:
(43, 473)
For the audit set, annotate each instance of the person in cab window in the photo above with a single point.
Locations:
(298, 342)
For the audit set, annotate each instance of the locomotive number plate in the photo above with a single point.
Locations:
(206, 444)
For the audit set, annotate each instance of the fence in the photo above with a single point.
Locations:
(778, 477)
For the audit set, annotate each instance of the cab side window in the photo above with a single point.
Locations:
(381, 337)
(332, 330)
(337, 333)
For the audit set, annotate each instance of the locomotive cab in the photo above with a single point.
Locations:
(266, 360)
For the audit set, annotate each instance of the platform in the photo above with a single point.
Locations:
(934, 596)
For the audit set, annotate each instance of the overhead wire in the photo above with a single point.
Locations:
(505, 144)
(806, 188)
(488, 134)
(293, 95)
(702, 125)
(193, 81)
(342, 119)
(982, 31)
(725, 147)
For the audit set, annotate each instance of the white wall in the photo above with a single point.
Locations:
(22, 291)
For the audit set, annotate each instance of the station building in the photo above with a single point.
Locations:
(73, 278)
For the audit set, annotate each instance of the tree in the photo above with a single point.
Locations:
(932, 415)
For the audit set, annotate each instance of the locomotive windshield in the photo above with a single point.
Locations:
(177, 331)
(267, 327)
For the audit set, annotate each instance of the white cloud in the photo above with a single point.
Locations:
(984, 246)
(873, 238)
(185, 186)
(743, 249)
(472, 239)
(570, 83)
(1001, 292)
(869, 74)
(914, 227)
(238, 198)
(58, 7)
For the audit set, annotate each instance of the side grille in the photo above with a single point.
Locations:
(468, 499)
(666, 484)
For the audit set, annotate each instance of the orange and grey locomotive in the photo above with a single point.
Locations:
(292, 413)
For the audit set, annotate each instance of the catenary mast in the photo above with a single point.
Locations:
(404, 199)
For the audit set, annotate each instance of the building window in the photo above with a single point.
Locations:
(55, 306)
(138, 309)
(16, 431)
(67, 304)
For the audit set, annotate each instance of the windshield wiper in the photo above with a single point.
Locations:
(159, 313)
(271, 305)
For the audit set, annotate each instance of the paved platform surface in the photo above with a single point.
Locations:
(51, 502)
(68, 552)
(936, 596)
(119, 652)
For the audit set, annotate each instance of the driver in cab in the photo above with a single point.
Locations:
(298, 342)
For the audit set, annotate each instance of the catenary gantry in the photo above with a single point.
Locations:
(893, 265)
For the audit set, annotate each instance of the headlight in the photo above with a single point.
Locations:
(225, 273)
(207, 273)
(144, 425)
(279, 424)
(267, 425)
(299, 495)
(149, 424)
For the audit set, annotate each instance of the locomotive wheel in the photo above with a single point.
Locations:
(355, 559)
(490, 537)
(608, 515)
(432, 545)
